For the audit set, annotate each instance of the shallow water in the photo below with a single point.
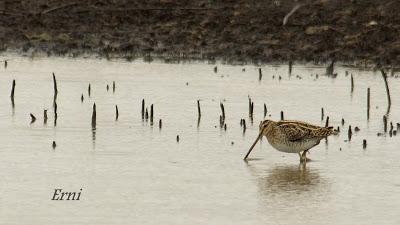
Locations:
(135, 173)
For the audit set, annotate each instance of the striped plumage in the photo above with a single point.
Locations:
(292, 136)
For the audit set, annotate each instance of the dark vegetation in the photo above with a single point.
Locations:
(363, 31)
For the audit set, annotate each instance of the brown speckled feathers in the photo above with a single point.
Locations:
(297, 130)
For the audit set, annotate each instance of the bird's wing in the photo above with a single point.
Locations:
(295, 132)
(298, 122)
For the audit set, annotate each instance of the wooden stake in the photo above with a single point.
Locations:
(143, 109)
(45, 116)
(107, 87)
(265, 110)
(151, 114)
(223, 111)
(55, 113)
(259, 74)
(249, 107)
(385, 123)
(387, 91)
(349, 133)
(364, 144)
(198, 109)
(146, 115)
(282, 117)
(94, 116)
(113, 86)
(89, 90)
(55, 85)
(82, 98)
(244, 126)
(322, 114)
(5, 64)
(342, 121)
(160, 124)
(290, 67)
(252, 110)
(368, 102)
(116, 112)
(12, 92)
(215, 69)
(327, 122)
(177, 138)
(352, 83)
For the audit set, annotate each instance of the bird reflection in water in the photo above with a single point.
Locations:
(288, 179)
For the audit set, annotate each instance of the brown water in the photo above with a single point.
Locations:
(133, 173)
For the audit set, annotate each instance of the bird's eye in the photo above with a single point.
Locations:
(263, 124)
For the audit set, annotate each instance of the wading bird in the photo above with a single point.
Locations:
(292, 136)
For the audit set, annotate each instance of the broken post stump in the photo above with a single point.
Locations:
(33, 118)
(45, 116)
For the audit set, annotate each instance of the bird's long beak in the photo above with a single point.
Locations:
(254, 144)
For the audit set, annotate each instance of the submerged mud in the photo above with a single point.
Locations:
(346, 30)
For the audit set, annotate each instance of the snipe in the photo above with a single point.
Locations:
(292, 136)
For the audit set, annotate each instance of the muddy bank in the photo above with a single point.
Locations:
(345, 30)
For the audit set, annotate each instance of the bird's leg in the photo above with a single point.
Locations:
(304, 156)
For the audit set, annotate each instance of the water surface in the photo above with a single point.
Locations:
(135, 173)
